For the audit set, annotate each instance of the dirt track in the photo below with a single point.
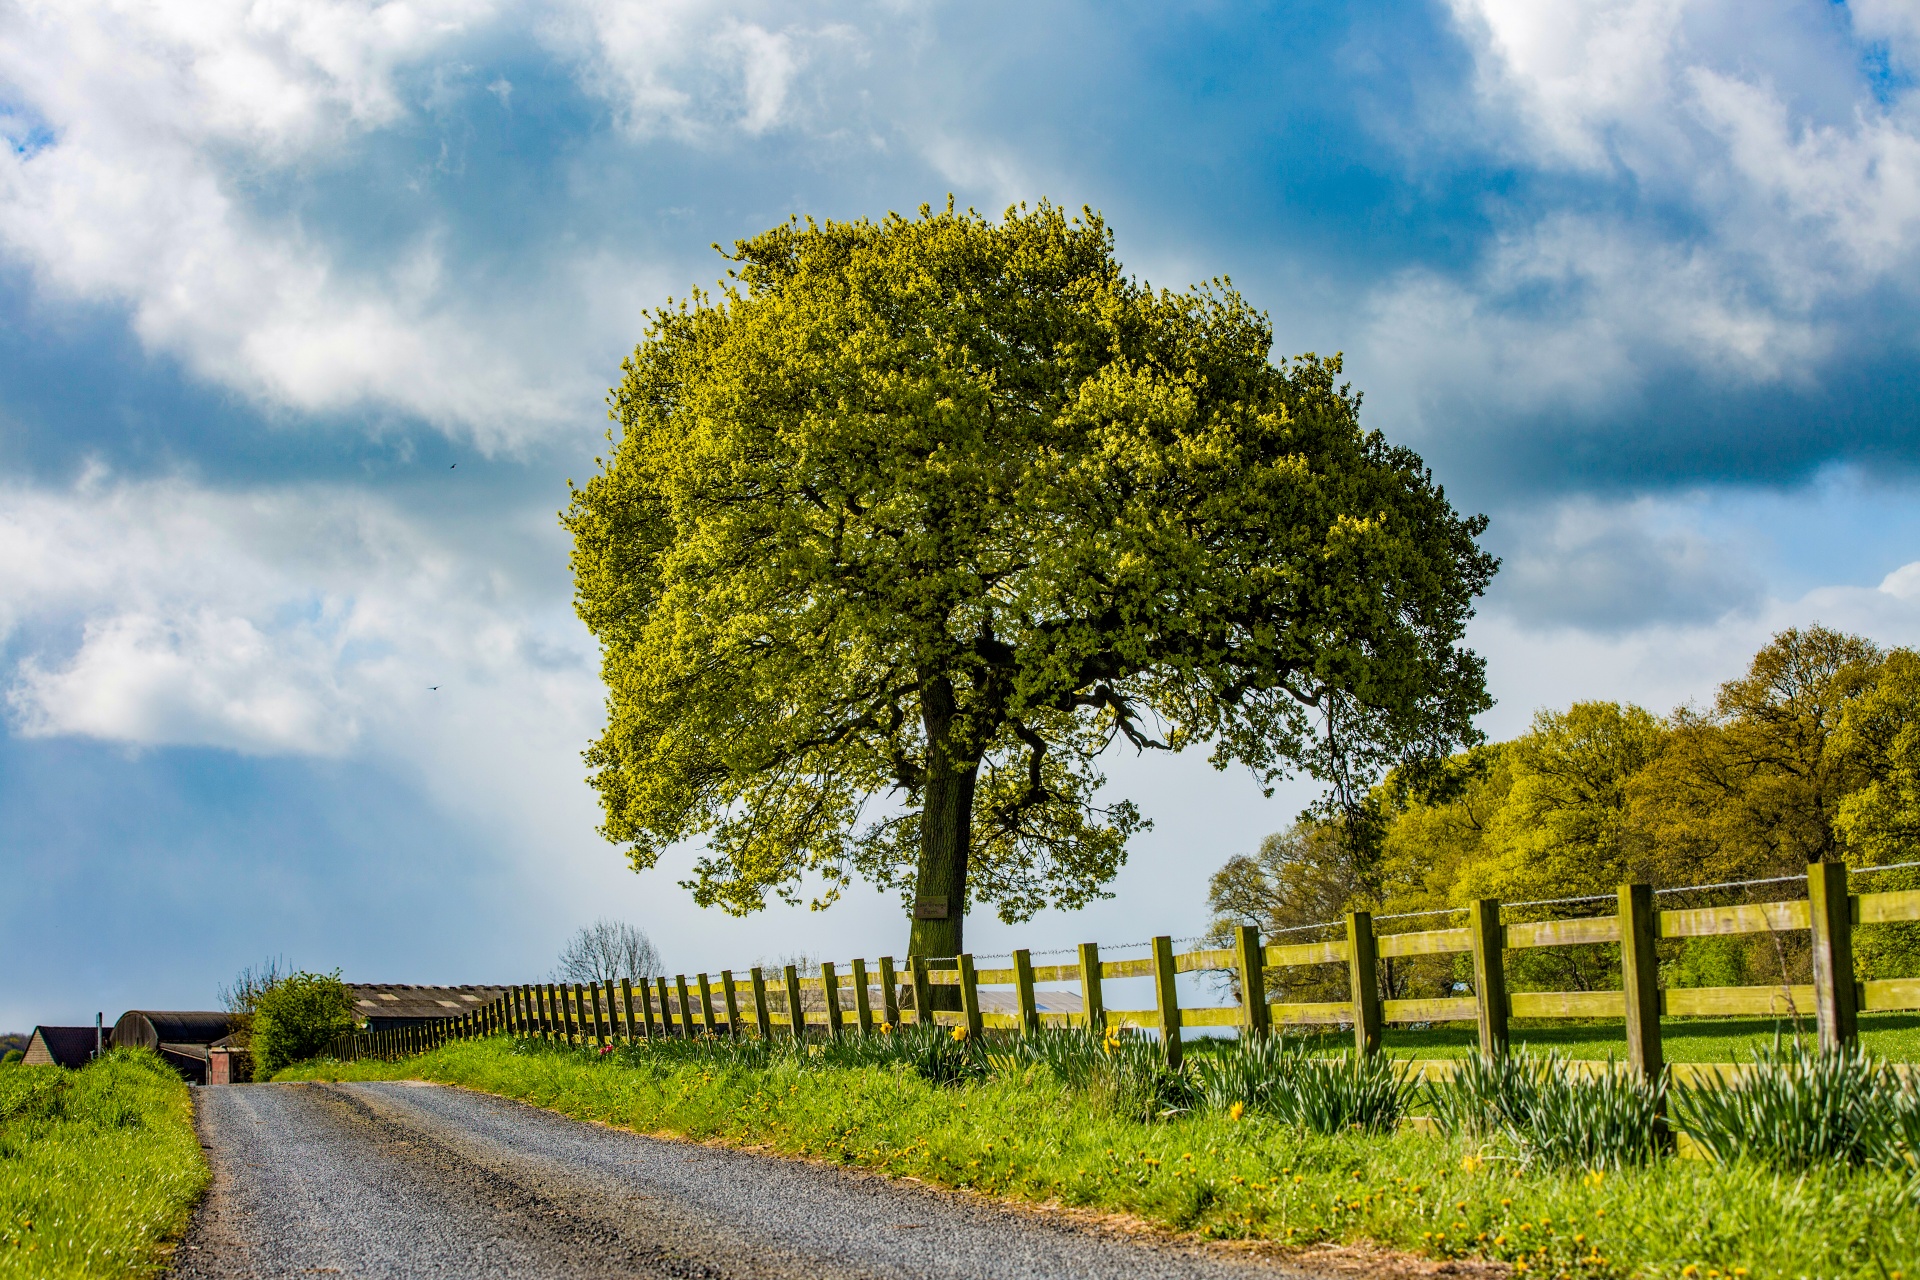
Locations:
(422, 1180)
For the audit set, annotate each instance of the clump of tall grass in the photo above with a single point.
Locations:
(1322, 1094)
(1554, 1112)
(1796, 1107)
(98, 1167)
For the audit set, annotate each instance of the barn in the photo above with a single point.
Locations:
(61, 1046)
(386, 1006)
(184, 1039)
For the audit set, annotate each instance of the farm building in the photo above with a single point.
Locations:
(182, 1038)
(383, 1007)
(61, 1046)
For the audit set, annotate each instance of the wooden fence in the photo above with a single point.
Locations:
(788, 1002)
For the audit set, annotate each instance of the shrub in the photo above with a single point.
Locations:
(1797, 1107)
(1556, 1113)
(296, 1018)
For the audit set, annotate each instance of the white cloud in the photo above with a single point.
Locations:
(139, 132)
(1756, 189)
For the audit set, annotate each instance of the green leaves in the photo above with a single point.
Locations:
(950, 503)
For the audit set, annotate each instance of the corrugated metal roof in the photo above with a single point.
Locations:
(404, 1000)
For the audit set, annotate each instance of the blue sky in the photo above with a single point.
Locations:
(307, 312)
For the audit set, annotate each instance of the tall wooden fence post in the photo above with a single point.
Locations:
(1092, 1002)
(1489, 974)
(706, 1005)
(1023, 988)
(762, 1017)
(889, 993)
(730, 993)
(830, 991)
(687, 1027)
(626, 1008)
(796, 1007)
(666, 1005)
(970, 996)
(1835, 999)
(862, 998)
(922, 991)
(1166, 996)
(1255, 1018)
(1363, 981)
(1640, 979)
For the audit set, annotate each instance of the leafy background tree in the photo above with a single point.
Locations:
(297, 1017)
(1812, 754)
(607, 949)
(915, 519)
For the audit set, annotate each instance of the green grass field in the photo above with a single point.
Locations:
(1026, 1136)
(99, 1168)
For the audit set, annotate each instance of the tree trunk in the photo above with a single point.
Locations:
(946, 830)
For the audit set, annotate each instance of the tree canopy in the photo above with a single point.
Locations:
(913, 519)
(1812, 754)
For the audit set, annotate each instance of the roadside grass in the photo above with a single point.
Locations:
(1021, 1133)
(99, 1168)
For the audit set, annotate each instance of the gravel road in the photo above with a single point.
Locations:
(422, 1180)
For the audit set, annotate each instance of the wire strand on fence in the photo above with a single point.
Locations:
(1729, 884)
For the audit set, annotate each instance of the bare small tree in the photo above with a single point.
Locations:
(242, 995)
(607, 949)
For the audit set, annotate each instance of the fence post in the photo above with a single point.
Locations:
(706, 1005)
(889, 993)
(1091, 1002)
(1166, 996)
(796, 1008)
(577, 1011)
(1023, 984)
(1363, 978)
(1640, 979)
(758, 981)
(626, 1010)
(1250, 959)
(970, 996)
(1835, 999)
(1489, 974)
(922, 991)
(730, 993)
(686, 1006)
(615, 1027)
(666, 1005)
(546, 1012)
(830, 991)
(646, 1008)
(862, 997)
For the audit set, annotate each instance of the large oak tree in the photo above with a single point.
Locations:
(914, 519)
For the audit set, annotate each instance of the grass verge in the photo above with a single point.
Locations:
(1027, 1136)
(99, 1168)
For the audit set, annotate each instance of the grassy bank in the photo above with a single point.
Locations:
(99, 1168)
(1024, 1134)
(1893, 1036)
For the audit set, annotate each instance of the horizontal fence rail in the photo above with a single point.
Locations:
(868, 999)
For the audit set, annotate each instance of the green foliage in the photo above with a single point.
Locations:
(10, 1057)
(297, 1017)
(1554, 1113)
(1797, 1107)
(1302, 1085)
(99, 1167)
(934, 509)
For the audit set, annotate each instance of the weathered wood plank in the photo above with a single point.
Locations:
(1752, 917)
(1697, 1002)
(1203, 961)
(1332, 951)
(1213, 1016)
(1056, 973)
(1890, 993)
(1426, 943)
(1142, 968)
(1320, 1012)
(1563, 933)
(943, 977)
(1884, 908)
(995, 977)
(1567, 1004)
(1446, 1009)
(1132, 1018)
